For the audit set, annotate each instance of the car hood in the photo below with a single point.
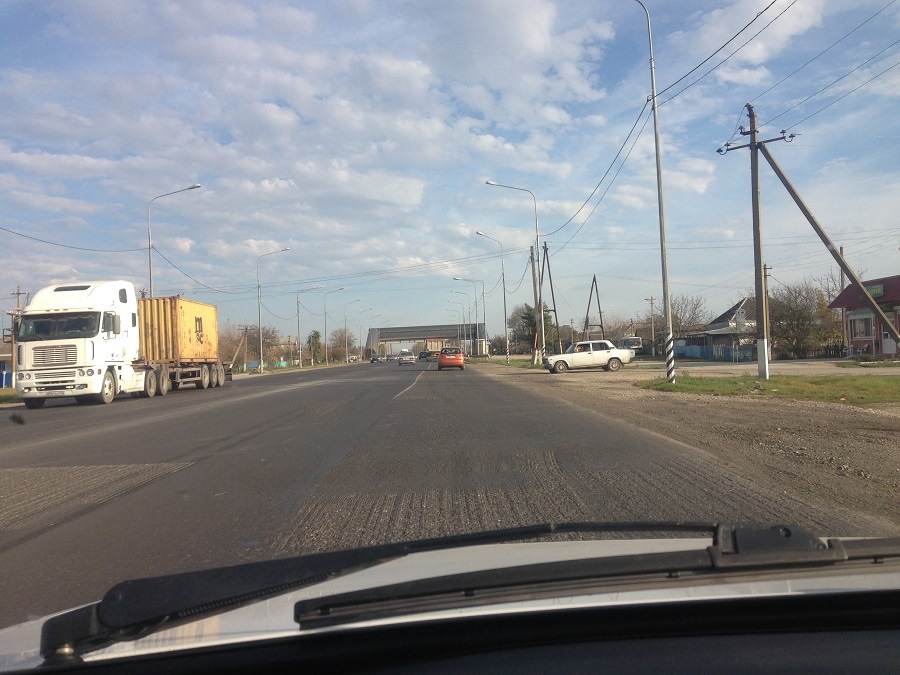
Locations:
(274, 616)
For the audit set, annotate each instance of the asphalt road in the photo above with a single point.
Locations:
(324, 459)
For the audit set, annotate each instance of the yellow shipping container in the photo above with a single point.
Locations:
(178, 330)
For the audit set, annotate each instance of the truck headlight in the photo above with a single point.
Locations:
(81, 372)
(90, 371)
(20, 376)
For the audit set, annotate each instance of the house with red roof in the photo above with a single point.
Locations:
(864, 330)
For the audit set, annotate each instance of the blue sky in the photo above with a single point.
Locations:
(360, 135)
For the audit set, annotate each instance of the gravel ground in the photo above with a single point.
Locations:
(834, 455)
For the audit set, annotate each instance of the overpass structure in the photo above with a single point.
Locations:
(452, 333)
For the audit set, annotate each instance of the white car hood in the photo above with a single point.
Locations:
(274, 617)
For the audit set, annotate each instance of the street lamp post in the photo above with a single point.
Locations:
(475, 283)
(299, 342)
(150, 238)
(462, 317)
(262, 361)
(325, 312)
(468, 308)
(453, 314)
(503, 281)
(537, 277)
(346, 349)
(669, 348)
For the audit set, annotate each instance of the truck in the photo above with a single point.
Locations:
(92, 340)
(589, 354)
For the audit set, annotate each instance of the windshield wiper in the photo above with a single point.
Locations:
(136, 608)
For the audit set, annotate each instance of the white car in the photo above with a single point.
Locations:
(589, 354)
(406, 357)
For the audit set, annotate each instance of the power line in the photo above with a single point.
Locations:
(732, 39)
(725, 60)
(76, 248)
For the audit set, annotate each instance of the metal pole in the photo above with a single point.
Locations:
(670, 340)
(259, 305)
(503, 281)
(149, 236)
(762, 333)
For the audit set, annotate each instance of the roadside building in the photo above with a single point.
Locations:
(865, 332)
(731, 336)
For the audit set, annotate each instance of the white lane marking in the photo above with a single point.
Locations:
(410, 386)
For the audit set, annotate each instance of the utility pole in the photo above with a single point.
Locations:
(651, 299)
(546, 266)
(844, 351)
(756, 146)
(536, 356)
(246, 330)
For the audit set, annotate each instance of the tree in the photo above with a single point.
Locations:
(314, 342)
(689, 315)
(799, 319)
(522, 329)
(339, 348)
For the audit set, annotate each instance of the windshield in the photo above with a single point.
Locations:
(58, 326)
(369, 265)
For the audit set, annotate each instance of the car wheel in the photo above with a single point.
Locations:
(613, 365)
(163, 383)
(149, 390)
(34, 403)
(560, 367)
(107, 390)
(203, 382)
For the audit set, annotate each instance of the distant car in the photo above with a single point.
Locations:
(375, 359)
(392, 357)
(423, 356)
(451, 357)
(406, 357)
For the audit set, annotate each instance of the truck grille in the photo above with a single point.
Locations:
(54, 376)
(54, 355)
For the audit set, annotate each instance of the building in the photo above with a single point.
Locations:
(865, 332)
(731, 336)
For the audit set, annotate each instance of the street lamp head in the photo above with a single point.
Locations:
(195, 186)
(490, 182)
(479, 232)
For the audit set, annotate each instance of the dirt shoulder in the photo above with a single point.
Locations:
(833, 455)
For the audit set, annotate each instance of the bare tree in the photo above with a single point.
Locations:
(800, 320)
(689, 314)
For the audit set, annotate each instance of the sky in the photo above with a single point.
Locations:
(360, 135)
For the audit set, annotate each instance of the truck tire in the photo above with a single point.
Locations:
(163, 383)
(213, 376)
(108, 389)
(149, 390)
(34, 403)
(560, 367)
(203, 382)
(221, 370)
(613, 365)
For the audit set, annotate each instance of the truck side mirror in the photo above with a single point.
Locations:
(117, 324)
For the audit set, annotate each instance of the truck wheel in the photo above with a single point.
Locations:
(162, 382)
(34, 403)
(203, 382)
(175, 384)
(221, 370)
(213, 376)
(149, 390)
(108, 390)
(613, 365)
(560, 367)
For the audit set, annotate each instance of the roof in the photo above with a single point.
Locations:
(725, 319)
(850, 298)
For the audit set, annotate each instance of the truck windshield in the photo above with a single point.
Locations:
(58, 326)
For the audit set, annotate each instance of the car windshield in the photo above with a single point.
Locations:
(372, 272)
(58, 326)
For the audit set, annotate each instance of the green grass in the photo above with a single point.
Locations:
(8, 396)
(868, 364)
(850, 389)
(514, 361)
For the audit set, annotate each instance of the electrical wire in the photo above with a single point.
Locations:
(196, 281)
(732, 39)
(76, 248)
(726, 59)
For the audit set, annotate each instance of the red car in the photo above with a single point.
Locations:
(451, 357)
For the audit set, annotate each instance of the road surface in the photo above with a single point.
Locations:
(323, 459)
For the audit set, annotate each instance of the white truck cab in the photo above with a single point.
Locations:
(79, 340)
